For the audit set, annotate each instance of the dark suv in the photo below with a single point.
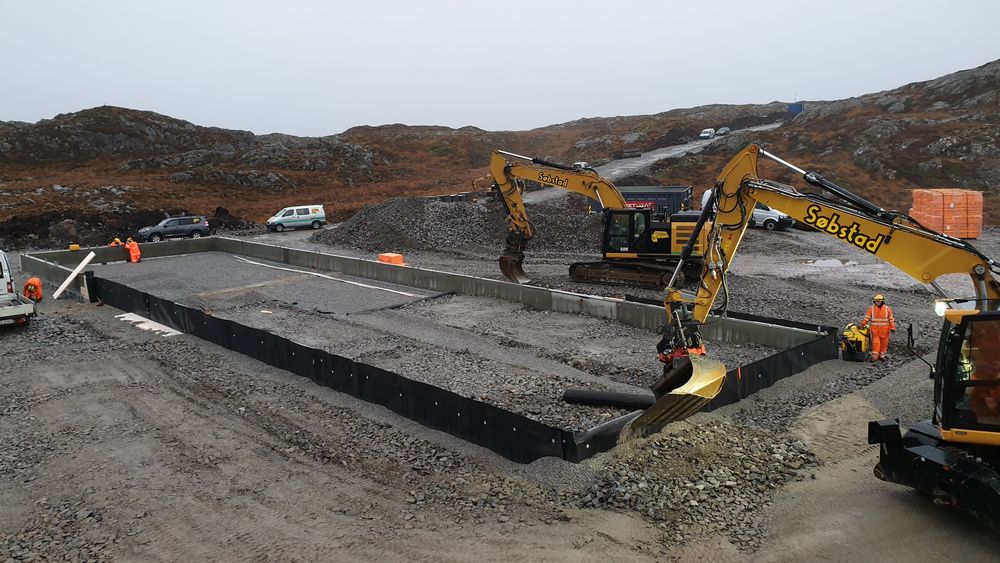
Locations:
(193, 226)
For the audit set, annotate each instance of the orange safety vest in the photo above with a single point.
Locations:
(133, 251)
(33, 289)
(880, 318)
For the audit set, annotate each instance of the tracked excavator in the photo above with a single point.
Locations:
(954, 456)
(636, 248)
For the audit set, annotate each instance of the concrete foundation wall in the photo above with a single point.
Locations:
(640, 315)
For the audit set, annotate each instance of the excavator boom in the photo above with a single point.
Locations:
(506, 174)
(923, 254)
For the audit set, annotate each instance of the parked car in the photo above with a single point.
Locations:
(580, 165)
(770, 219)
(723, 131)
(763, 216)
(707, 133)
(193, 226)
(298, 216)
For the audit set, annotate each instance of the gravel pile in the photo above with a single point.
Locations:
(418, 223)
(702, 477)
(777, 416)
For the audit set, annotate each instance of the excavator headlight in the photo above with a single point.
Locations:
(940, 307)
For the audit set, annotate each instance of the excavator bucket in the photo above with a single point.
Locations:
(510, 265)
(686, 386)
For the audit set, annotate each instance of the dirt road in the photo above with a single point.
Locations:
(619, 168)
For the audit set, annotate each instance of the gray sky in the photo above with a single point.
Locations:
(309, 67)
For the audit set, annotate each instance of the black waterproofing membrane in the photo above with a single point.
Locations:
(511, 435)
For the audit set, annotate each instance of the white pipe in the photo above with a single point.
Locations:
(72, 276)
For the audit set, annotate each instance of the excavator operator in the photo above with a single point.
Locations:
(879, 316)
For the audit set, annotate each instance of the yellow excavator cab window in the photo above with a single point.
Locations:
(978, 402)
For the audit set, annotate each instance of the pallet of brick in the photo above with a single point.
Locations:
(954, 212)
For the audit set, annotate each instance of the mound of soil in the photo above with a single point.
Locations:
(417, 223)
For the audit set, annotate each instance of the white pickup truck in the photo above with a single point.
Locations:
(15, 309)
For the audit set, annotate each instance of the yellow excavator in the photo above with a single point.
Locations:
(954, 456)
(637, 247)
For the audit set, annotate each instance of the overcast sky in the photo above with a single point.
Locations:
(311, 67)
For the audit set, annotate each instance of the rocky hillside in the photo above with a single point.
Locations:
(941, 133)
(112, 169)
(84, 176)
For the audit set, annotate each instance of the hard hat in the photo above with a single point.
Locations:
(879, 297)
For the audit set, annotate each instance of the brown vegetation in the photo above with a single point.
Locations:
(116, 166)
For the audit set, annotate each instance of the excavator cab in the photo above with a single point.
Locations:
(967, 382)
(640, 233)
(954, 457)
(626, 230)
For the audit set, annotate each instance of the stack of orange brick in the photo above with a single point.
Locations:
(958, 213)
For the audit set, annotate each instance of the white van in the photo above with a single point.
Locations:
(297, 217)
(763, 216)
(7, 290)
(707, 133)
(771, 219)
(15, 309)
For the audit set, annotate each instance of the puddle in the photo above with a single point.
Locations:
(829, 263)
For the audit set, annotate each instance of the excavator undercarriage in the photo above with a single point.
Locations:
(636, 273)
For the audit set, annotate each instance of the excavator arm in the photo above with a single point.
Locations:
(507, 176)
(921, 253)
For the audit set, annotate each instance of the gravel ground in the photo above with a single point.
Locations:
(498, 352)
(122, 444)
(125, 445)
(796, 275)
